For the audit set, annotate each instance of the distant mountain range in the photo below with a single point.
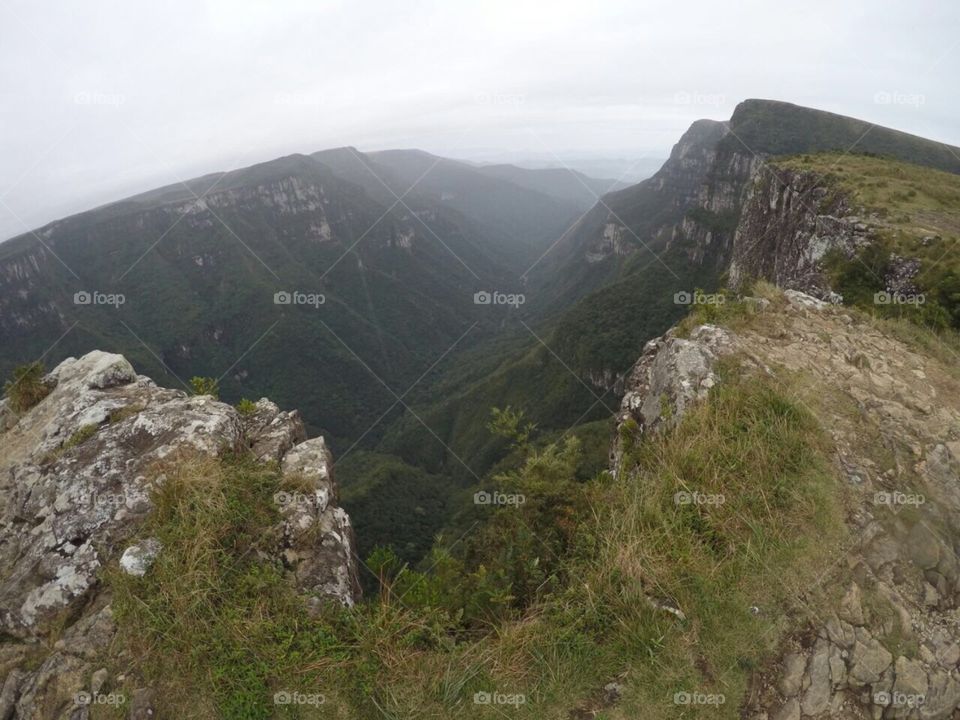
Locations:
(394, 297)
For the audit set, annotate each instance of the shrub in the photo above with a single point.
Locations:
(26, 388)
(205, 386)
(246, 407)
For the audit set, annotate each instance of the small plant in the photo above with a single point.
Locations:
(246, 406)
(205, 386)
(127, 411)
(26, 388)
(80, 436)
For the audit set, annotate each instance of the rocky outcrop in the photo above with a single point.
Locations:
(671, 375)
(790, 221)
(886, 644)
(77, 473)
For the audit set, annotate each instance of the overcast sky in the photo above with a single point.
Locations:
(101, 99)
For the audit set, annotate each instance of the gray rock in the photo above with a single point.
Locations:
(271, 433)
(923, 547)
(789, 711)
(671, 375)
(868, 660)
(138, 558)
(942, 698)
(61, 508)
(816, 698)
(794, 665)
(9, 693)
(803, 301)
(318, 543)
(851, 609)
(98, 680)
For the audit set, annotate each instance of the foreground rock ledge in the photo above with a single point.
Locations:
(75, 483)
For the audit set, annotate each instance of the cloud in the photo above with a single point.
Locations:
(103, 100)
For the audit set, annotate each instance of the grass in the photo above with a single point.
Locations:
(125, 412)
(220, 630)
(84, 433)
(760, 547)
(26, 387)
(913, 212)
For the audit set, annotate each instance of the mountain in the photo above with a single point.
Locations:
(388, 285)
(614, 280)
(695, 198)
(563, 183)
(398, 367)
(521, 212)
(720, 477)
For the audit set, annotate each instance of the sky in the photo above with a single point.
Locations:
(103, 99)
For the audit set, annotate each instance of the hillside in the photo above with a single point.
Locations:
(610, 284)
(775, 537)
(198, 279)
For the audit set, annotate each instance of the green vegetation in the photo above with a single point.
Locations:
(780, 128)
(551, 596)
(246, 406)
(80, 436)
(127, 411)
(716, 222)
(205, 386)
(26, 387)
(914, 213)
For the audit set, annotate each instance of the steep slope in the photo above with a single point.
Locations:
(367, 290)
(866, 230)
(519, 217)
(694, 201)
(713, 209)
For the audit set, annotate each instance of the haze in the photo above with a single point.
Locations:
(105, 99)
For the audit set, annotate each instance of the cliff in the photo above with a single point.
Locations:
(80, 474)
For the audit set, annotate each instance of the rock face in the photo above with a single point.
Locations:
(888, 644)
(790, 221)
(672, 374)
(75, 483)
(326, 569)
